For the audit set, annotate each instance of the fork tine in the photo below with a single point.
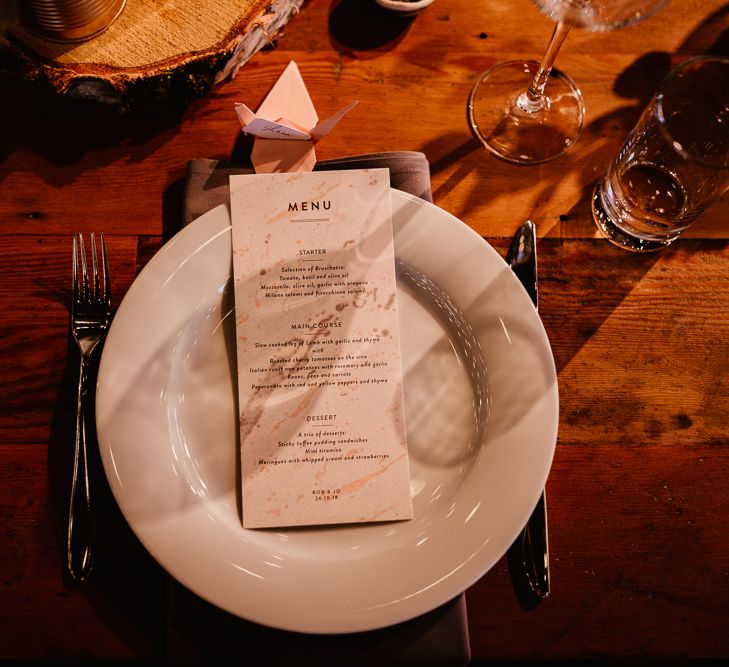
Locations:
(84, 273)
(105, 264)
(95, 289)
(75, 272)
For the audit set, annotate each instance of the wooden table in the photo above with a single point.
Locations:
(637, 494)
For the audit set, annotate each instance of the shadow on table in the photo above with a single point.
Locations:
(126, 587)
(602, 136)
(711, 36)
(636, 84)
(198, 631)
(364, 28)
(587, 261)
(63, 131)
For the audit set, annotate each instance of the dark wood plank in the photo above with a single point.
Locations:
(639, 559)
(117, 613)
(640, 341)
(620, 520)
(39, 365)
(609, 336)
(637, 493)
(58, 170)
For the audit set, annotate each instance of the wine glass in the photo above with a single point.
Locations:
(527, 111)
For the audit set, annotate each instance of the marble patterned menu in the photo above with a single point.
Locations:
(322, 425)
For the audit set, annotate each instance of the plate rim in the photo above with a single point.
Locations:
(150, 268)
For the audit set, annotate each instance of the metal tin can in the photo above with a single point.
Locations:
(70, 20)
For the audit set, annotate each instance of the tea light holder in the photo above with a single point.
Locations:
(70, 20)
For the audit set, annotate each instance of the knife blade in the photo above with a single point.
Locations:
(533, 543)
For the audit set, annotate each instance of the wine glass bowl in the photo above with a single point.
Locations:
(500, 116)
(599, 15)
(528, 112)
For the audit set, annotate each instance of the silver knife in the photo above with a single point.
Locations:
(533, 542)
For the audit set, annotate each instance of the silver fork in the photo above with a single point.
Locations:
(90, 318)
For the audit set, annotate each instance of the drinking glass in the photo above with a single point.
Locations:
(527, 111)
(673, 164)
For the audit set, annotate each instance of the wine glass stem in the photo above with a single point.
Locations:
(534, 100)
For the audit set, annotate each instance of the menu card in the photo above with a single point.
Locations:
(322, 426)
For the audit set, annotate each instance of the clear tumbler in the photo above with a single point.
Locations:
(673, 164)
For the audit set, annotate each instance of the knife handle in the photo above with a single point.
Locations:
(535, 549)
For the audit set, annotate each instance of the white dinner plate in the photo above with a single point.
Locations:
(481, 406)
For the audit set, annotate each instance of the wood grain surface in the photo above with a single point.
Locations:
(638, 500)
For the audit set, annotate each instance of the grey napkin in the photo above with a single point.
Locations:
(206, 183)
(196, 629)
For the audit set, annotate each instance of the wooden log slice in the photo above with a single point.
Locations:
(156, 54)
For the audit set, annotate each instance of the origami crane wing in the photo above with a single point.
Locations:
(286, 125)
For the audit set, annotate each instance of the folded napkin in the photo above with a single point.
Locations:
(198, 630)
(206, 183)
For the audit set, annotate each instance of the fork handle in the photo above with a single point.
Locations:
(81, 517)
